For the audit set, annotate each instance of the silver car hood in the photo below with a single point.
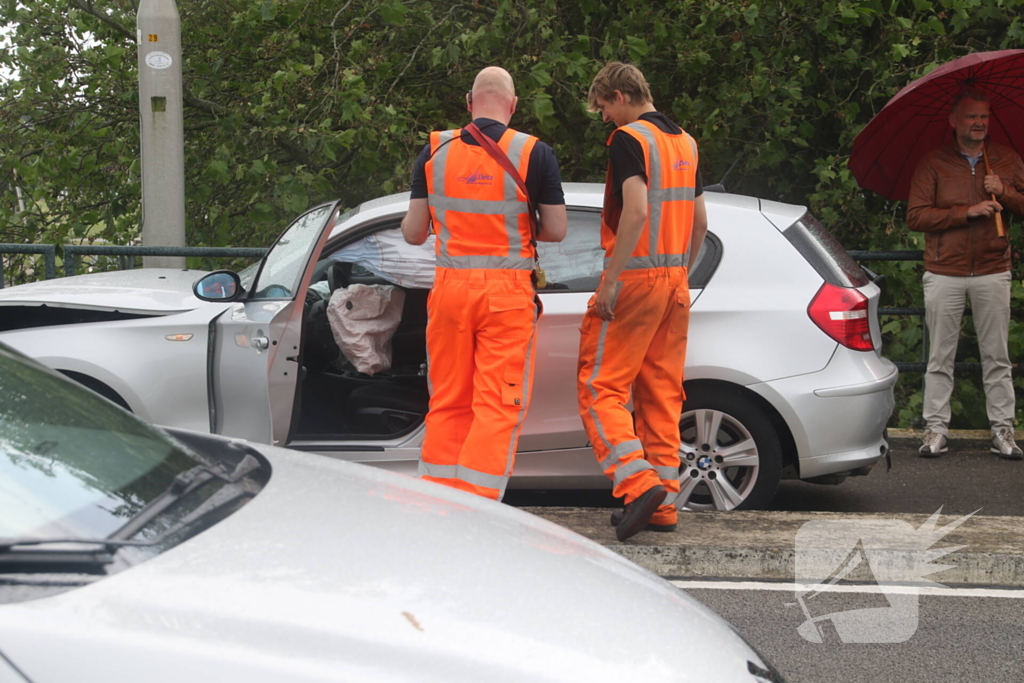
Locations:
(339, 572)
(144, 290)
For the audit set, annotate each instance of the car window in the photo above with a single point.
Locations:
(248, 274)
(572, 265)
(88, 490)
(575, 263)
(71, 463)
(385, 257)
(707, 261)
(823, 251)
(285, 263)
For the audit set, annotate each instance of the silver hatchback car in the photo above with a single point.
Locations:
(784, 373)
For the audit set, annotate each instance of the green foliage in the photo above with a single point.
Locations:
(293, 102)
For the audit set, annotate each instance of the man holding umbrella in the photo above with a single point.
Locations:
(957, 194)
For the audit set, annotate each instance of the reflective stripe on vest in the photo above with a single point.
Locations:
(473, 214)
(657, 261)
(657, 197)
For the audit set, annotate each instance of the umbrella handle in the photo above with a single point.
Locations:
(988, 171)
(999, 222)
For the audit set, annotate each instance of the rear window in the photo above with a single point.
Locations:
(816, 244)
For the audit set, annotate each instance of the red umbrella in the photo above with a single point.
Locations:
(916, 120)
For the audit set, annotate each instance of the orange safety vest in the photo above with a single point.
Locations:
(480, 215)
(671, 164)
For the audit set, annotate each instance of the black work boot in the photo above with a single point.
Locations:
(637, 513)
(617, 517)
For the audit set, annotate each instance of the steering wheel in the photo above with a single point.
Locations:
(336, 276)
(274, 291)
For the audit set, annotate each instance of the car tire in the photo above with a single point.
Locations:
(736, 468)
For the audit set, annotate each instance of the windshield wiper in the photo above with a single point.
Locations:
(82, 560)
(7, 544)
(184, 484)
(73, 560)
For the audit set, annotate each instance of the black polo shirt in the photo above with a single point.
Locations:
(543, 177)
(627, 155)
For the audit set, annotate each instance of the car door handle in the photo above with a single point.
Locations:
(261, 343)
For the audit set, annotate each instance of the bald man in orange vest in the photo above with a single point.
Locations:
(633, 337)
(482, 310)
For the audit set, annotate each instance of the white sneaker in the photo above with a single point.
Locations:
(1004, 446)
(933, 445)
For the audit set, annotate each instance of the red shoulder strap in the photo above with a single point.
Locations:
(498, 155)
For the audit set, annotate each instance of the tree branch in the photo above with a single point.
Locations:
(87, 7)
(205, 105)
(415, 52)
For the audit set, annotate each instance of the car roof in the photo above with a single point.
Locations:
(592, 195)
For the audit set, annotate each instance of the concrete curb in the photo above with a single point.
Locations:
(761, 545)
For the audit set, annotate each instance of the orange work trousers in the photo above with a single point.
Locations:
(481, 332)
(643, 349)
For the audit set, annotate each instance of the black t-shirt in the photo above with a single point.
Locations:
(627, 156)
(543, 178)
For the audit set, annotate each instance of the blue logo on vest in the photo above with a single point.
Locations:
(477, 177)
(681, 165)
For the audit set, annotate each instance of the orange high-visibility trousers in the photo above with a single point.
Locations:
(481, 331)
(643, 349)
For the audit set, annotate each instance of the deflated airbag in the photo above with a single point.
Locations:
(363, 320)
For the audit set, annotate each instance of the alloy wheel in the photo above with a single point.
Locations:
(719, 458)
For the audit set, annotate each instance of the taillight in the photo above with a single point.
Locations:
(842, 313)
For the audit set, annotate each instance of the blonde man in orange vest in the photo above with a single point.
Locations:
(482, 310)
(633, 337)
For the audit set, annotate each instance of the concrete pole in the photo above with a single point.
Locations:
(161, 134)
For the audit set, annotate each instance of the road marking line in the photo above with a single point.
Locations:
(1011, 593)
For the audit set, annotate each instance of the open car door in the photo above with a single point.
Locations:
(255, 351)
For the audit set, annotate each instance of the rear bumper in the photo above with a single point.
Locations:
(834, 463)
(838, 416)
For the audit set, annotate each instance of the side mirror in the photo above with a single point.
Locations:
(220, 285)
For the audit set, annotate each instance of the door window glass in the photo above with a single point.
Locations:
(575, 263)
(284, 264)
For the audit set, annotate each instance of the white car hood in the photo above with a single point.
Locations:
(339, 572)
(144, 290)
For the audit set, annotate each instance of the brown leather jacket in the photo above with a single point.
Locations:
(941, 191)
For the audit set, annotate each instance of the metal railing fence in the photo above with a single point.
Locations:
(922, 366)
(126, 254)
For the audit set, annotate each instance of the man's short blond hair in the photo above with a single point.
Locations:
(625, 78)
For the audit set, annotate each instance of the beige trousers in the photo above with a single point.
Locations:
(944, 299)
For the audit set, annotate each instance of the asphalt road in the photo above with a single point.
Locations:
(966, 638)
(961, 481)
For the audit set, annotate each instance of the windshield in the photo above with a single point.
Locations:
(71, 463)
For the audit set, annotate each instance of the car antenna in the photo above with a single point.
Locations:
(720, 185)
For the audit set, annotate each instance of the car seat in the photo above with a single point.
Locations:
(390, 407)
